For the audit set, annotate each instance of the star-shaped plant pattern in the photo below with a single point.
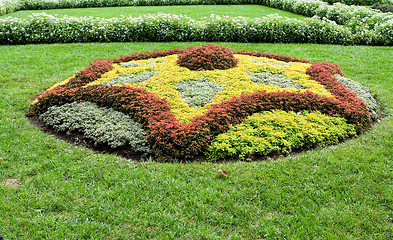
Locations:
(185, 113)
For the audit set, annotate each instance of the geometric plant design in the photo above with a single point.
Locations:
(261, 105)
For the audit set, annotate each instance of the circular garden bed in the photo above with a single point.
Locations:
(209, 102)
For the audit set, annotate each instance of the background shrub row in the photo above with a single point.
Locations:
(383, 7)
(10, 6)
(170, 139)
(365, 26)
(358, 2)
(43, 28)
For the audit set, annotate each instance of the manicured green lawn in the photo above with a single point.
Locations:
(193, 11)
(69, 192)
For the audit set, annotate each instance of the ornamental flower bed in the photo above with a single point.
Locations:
(258, 105)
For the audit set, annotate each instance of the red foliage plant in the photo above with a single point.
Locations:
(207, 57)
(170, 139)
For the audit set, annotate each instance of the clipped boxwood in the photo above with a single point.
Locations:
(177, 128)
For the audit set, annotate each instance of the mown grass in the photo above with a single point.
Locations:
(193, 11)
(69, 192)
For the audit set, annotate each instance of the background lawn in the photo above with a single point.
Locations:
(343, 191)
(193, 11)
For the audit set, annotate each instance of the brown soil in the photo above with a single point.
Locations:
(9, 182)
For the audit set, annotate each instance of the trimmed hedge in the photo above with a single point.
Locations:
(170, 139)
(358, 2)
(43, 28)
(365, 23)
(388, 8)
(365, 26)
(9, 6)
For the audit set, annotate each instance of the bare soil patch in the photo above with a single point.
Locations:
(11, 182)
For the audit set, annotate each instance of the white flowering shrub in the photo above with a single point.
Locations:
(44, 28)
(358, 2)
(101, 125)
(367, 26)
(132, 65)
(385, 31)
(9, 6)
(51, 4)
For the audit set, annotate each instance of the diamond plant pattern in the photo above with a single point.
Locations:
(176, 129)
(234, 81)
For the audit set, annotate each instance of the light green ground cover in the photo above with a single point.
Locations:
(342, 191)
(193, 11)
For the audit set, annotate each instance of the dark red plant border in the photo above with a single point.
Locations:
(170, 139)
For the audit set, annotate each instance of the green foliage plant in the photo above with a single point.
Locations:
(279, 132)
(388, 8)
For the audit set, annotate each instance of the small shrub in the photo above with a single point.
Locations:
(383, 7)
(357, 2)
(279, 132)
(207, 57)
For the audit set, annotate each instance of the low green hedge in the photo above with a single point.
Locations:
(368, 26)
(9, 6)
(43, 28)
(388, 8)
(358, 2)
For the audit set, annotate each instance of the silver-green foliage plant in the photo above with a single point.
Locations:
(363, 93)
(130, 78)
(198, 92)
(101, 125)
(132, 65)
(279, 132)
(278, 80)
